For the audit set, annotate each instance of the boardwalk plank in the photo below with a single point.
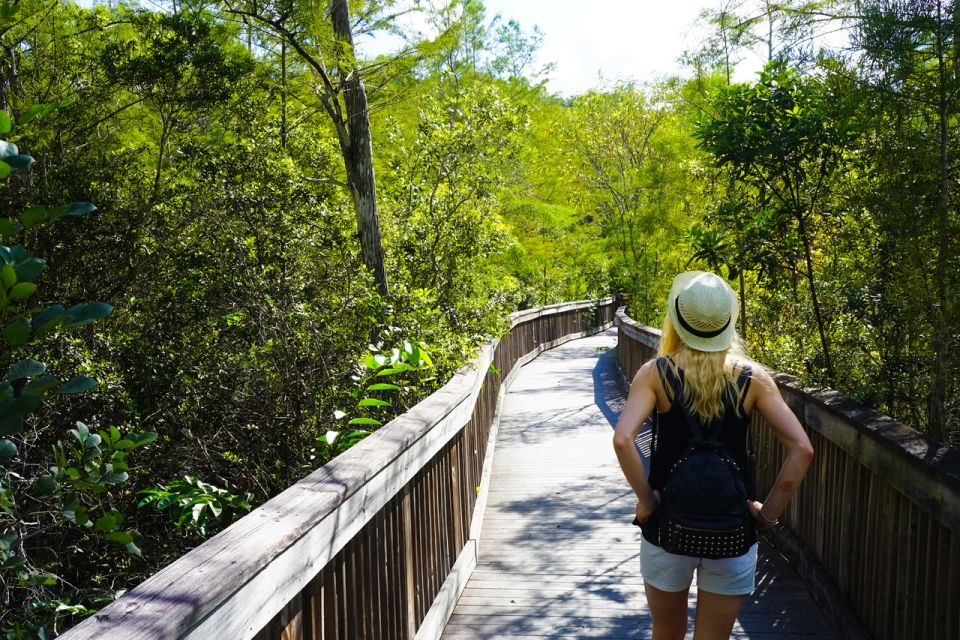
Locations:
(558, 557)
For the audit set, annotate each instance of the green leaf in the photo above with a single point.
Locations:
(8, 541)
(383, 386)
(5, 169)
(425, 356)
(11, 426)
(8, 276)
(7, 228)
(197, 511)
(22, 291)
(6, 123)
(370, 363)
(84, 314)
(33, 216)
(145, 438)
(121, 537)
(48, 319)
(76, 209)
(19, 161)
(369, 421)
(44, 486)
(391, 371)
(41, 385)
(29, 268)
(108, 521)
(7, 451)
(21, 406)
(115, 478)
(28, 368)
(32, 112)
(374, 402)
(76, 384)
(18, 331)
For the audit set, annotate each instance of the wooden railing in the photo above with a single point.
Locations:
(875, 526)
(377, 544)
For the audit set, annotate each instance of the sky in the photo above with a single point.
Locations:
(620, 39)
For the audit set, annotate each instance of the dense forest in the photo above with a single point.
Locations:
(233, 246)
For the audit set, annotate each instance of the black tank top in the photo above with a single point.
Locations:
(671, 433)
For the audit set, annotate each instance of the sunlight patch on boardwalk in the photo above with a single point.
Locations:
(558, 557)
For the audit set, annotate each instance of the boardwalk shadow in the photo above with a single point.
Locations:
(608, 392)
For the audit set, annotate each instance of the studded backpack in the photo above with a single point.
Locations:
(703, 510)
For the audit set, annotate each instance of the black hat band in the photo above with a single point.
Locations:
(698, 332)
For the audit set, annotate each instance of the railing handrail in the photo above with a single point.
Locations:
(233, 584)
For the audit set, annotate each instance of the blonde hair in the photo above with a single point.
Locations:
(708, 376)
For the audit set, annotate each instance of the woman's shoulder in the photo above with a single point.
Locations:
(742, 365)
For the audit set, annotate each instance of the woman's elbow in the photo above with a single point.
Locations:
(622, 442)
(804, 451)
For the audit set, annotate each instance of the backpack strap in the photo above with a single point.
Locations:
(743, 384)
(671, 382)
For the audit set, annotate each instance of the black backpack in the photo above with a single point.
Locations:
(703, 511)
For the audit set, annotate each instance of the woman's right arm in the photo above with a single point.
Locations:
(791, 434)
(641, 401)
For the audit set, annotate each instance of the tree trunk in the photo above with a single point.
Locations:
(358, 154)
(283, 94)
(813, 295)
(743, 308)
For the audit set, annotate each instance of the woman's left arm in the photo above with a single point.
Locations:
(641, 402)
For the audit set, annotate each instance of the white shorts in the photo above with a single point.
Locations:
(725, 576)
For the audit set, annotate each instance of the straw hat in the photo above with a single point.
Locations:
(703, 309)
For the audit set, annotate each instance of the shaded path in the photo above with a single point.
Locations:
(558, 557)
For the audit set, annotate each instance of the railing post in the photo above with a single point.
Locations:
(408, 563)
(455, 493)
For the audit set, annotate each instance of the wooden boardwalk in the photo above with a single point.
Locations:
(558, 557)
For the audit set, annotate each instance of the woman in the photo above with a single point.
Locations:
(701, 369)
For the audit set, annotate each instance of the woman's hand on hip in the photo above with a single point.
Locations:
(761, 521)
(645, 508)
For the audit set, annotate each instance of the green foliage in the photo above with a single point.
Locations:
(388, 382)
(68, 494)
(446, 188)
(196, 505)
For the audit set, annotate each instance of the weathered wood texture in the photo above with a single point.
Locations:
(558, 557)
(360, 548)
(875, 526)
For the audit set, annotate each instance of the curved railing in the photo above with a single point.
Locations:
(377, 544)
(875, 527)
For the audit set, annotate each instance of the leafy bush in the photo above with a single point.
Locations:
(58, 502)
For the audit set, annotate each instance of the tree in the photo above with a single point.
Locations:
(780, 135)
(323, 38)
(612, 133)
(912, 75)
